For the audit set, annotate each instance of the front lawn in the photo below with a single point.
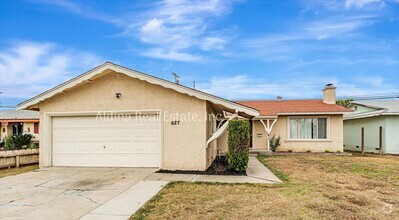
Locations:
(316, 187)
(15, 171)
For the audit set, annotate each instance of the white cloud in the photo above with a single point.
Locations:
(28, 68)
(177, 26)
(242, 87)
(320, 30)
(79, 9)
(171, 55)
(213, 43)
(361, 3)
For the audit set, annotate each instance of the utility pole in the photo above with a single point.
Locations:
(177, 77)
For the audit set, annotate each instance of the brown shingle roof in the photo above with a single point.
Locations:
(275, 107)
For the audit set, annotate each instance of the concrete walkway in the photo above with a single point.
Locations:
(256, 173)
(125, 204)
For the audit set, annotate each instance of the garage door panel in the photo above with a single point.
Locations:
(83, 141)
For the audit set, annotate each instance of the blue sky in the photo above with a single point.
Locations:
(234, 49)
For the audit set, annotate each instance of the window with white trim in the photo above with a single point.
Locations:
(308, 128)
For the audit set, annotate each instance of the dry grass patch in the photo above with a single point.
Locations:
(316, 187)
(15, 171)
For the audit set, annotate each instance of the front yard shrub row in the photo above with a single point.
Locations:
(238, 143)
(19, 142)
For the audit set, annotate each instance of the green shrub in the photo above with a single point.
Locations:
(35, 145)
(18, 142)
(238, 142)
(309, 151)
(22, 140)
(274, 143)
(9, 143)
(290, 151)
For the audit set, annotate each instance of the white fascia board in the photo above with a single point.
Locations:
(141, 76)
(312, 113)
(364, 115)
(391, 113)
(264, 117)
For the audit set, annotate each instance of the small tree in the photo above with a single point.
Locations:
(274, 143)
(238, 142)
(344, 102)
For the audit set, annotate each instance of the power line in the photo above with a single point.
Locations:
(370, 97)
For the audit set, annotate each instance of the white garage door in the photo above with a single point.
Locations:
(85, 141)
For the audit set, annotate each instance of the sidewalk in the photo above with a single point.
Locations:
(256, 173)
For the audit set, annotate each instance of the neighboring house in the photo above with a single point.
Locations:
(373, 116)
(302, 125)
(16, 122)
(112, 116)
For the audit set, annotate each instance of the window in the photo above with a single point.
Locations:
(17, 129)
(36, 128)
(308, 128)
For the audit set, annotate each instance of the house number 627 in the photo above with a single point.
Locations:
(175, 122)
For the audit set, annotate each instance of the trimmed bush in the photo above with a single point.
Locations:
(238, 142)
(274, 143)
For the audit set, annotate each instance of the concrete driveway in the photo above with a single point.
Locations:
(66, 193)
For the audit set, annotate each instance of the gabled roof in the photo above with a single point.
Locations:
(19, 114)
(108, 66)
(289, 107)
(381, 107)
(390, 106)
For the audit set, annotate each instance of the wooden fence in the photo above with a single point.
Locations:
(16, 158)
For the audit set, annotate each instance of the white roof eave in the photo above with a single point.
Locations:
(141, 76)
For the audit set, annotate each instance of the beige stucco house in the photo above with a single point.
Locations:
(302, 125)
(16, 122)
(112, 116)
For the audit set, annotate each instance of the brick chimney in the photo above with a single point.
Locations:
(329, 95)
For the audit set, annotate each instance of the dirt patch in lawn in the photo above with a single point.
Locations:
(218, 167)
(15, 171)
(315, 187)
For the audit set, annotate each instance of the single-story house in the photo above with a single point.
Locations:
(302, 125)
(380, 122)
(112, 116)
(16, 122)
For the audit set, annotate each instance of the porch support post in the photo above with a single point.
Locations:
(220, 130)
(268, 129)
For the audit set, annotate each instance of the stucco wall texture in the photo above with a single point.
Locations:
(183, 144)
(333, 143)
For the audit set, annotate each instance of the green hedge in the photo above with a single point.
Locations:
(238, 142)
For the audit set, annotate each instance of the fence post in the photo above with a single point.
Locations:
(380, 146)
(362, 140)
(17, 161)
